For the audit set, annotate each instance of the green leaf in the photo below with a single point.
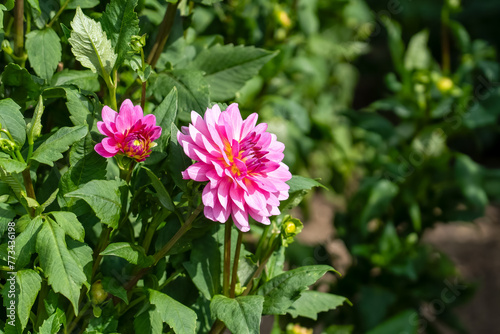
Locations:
(379, 199)
(404, 322)
(310, 303)
(241, 315)
(149, 321)
(86, 165)
(204, 266)
(35, 126)
(51, 150)
(132, 253)
(26, 241)
(396, 45)
(70, 224)
(299, 187)
(73, 4)
(84, 79)
(112, 286)
(283, 290)
(162, 193)
(12, 119)
(417, 55)
(20, 83)
(192, 88)
(104, 197)
(64, 273)
(29, 283)
(177, 160)
(79, 105)
(469, 177)
(90, 45)
(120, 23)
(165, 114)
(52, 324)
(181, 318)
(227, 68)
(10, 166)
(82, 254)
(44, 51)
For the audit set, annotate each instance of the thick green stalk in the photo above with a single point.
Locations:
(19, 28)
(164, 32)
(59, 12)
(227, 257)
(236, 261)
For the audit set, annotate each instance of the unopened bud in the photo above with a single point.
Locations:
(137, 42)
(6, 47)
(97, 293)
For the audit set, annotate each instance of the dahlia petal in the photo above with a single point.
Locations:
(249, 124)
(197, 172)
(237, 196)
(208, 196)
(126, 118)
(108, 114)
(155, 133)
(103, 129)
(109, 144)
(209, 213)
(223, 192)
(261, 219)
(139, 114)
(221, 214)
(234, 120)
(149, 120)
(240, 219)
(102, 152)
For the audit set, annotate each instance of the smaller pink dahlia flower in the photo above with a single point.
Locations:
(242, 162)
(129, 132)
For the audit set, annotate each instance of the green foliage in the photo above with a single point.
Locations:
(44, 51)
(241, 314)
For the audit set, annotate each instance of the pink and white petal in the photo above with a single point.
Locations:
(223, 192)
(249, 125)
(103, 129)
(108, 114)
(208, 196)
(234, 120)
(126, 118)
(221, 214)
(102, 152)
(261, 219)
(110, 145)
(197, 172)
(209, 213)
(240, 219)
(237, 197)
(138, 112)
(149, 120)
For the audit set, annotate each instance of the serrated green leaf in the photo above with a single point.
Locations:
(29, 283)
(104, 197)
(241, 315)
(12, 119)
(84, 79)
(10, 166)
(82, 254)
(299, 183)
(181, 318)
(70, 224)
(35, 126)
(192, 88)
(48, 202)
(26, 241)
(64, 273)
(20, 83)
(112, 286)
(227, 67)
(417, 55)
(44, 51)
(310, 303)
(177, 160)
(52, 324)
(132, 253)
(149, 321)
(120, 23)
(51, 150)
(204, 266)
(90, 45)
(283, 290)
(165, 114)
(79, 106)
(163, 196)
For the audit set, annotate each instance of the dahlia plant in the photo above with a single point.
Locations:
(111, 217)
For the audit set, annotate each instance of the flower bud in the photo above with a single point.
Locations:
(138, 42)
(444, 84)
(7, 145)
(284, 19)
(6, 47)
(97, 293)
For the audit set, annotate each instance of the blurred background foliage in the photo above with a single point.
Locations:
(394, 105)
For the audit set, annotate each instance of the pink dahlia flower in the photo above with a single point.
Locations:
(242, 162)
(129, 132)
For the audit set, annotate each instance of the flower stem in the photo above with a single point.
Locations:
(445, 38)
(19, 28)
(144, 83)
(101, 245)
(217, 327)
(82, 312)
(59, 12)
(236, 261)
(185, 227)
(30, 191)
(227, 258)
(152, 228)
(161, 38)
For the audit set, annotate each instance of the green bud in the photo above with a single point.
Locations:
(6, 47)
(97, 293)
(444, 84)
(7, 145)
(138, 42)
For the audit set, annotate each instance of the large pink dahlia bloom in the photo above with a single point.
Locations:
(242, 162)
(128, 132)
